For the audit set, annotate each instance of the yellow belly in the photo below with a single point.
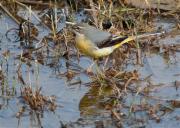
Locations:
(88, 48)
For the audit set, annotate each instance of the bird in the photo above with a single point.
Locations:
(97, 43)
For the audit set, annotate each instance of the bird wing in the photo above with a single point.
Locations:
(114, 41)
(97, 36)
(100, 38)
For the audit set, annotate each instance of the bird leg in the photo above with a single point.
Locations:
(78, 55)
(105, 64)
(89, 69)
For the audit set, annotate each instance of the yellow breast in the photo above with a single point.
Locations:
(88, 48)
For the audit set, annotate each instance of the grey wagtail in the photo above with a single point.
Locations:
(96, 43)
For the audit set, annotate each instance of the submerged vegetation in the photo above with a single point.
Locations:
(129, 88)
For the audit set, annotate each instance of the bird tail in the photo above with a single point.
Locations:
(131, 38)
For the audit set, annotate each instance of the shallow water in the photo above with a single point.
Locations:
(79, 101)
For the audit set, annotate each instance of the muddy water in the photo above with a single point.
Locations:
(68, 97)
(79, 102)
(163, 72)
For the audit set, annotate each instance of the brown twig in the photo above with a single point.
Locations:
(9, 14)
(33, 2)
(116, 115)
(29, 9)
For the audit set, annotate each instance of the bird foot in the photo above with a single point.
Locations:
(89, 70)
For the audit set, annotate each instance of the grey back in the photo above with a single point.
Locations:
(95, 35)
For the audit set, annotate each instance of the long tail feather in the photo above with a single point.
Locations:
(131, 38)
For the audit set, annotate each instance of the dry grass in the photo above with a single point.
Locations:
(36, 100)
(113, 16)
